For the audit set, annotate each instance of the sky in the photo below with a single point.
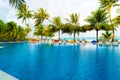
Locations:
(62, 8)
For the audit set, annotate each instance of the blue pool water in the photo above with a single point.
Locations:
(35, 61)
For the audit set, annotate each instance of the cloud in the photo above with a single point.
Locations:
(62, 8)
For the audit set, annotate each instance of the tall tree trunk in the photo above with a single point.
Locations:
(97, 36)
(59, 34)
(74, 36)
(113, 35)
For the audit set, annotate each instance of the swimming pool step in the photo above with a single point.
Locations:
(6, 76)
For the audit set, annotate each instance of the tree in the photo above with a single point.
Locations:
(118, 10)
(21, 33)
(48, 32)
(40, 16)
(57, 22)
(107, 5)
(27, 29)
(16, 3)
(107, 36)
(67, 28)
(96, 20)
(39, 31)
(11, 30)
(74, 19)
(116, 20)
(1, 28)
(25, 14)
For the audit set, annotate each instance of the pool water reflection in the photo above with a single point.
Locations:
(35, 61)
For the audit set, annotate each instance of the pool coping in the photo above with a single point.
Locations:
(6, 76)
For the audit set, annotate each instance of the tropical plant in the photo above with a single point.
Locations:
(67, 28)
(118, 10)
(107, 5)
(39, 31)
(16, 3)
(40, 16)
(27, 29)
(96, 20)
(48, 31)
(116, 20)
(11, 31)
(107, 36)
(25, 14)
(74, 19)
(57, 22)
(21, 33)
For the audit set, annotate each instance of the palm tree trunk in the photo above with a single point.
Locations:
(74, 36)
(113, 35)
(97, 36)
(59, 34)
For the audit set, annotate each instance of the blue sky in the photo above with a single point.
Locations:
(62, 8)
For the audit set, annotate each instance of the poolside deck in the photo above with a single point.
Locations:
(6, 76)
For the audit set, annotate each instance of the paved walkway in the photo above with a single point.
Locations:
(6, 76)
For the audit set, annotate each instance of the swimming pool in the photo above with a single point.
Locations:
(35, 61)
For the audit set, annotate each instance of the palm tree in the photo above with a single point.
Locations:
(11, 30)
(107, 5)
(20, 33)
(39, 31)
(96, 20)
(106, 36)
(16, 3)
(116, 20)
(48, 31)
(67, 28)
(25, 14)
(118, 10)
(57, 22)
(40, 16)
(27, 29)
(74, 19)
(2, 26)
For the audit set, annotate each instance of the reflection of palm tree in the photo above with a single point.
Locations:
(108, 4)
(17, 3)
(57, 22)
(97, 20)
(74, 18)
